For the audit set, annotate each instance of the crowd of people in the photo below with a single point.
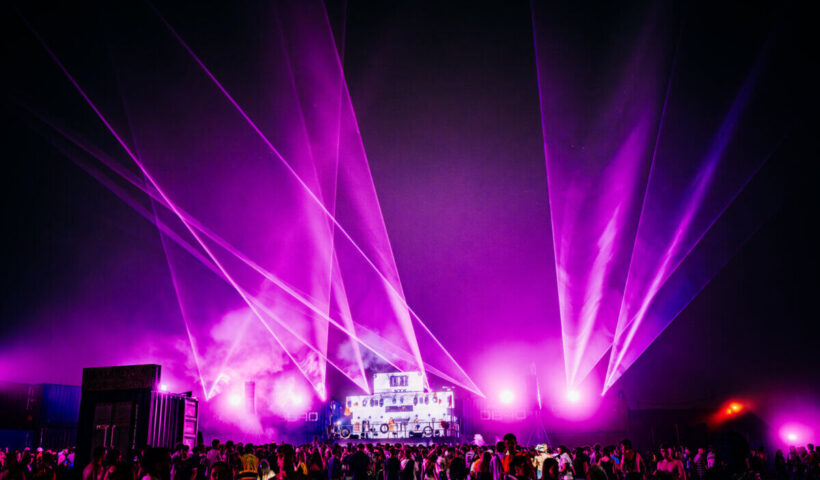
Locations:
(506, 460)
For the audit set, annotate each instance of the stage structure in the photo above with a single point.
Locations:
(399, 408)
(126, 408)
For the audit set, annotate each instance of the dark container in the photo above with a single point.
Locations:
(19, 406)
(43, 415)
(123, 408)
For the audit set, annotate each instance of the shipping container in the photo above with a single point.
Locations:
(123, 408)
(43, 415)
(18, 406)
(173, 420)
(60, 406)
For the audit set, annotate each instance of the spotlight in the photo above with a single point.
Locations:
(573, 396)
(235, 400)
(163, 388)
(736, 407)
(506, 397)
(794, 432)
(297, 399)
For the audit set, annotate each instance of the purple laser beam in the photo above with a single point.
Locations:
(161, 193)
(388, 346)
(322, 207)
(702, 183)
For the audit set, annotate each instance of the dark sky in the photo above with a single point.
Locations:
(447, 102)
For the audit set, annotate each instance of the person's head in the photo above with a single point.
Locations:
(626, 445)
(215, 443)
(510, 443)
(121, 471)
(284, 458)
(97, 455)
(248, 448)
(500, 447)
(221, 471)
(264, 468)
(156, 462)
(111, 457)
(665, 451)
(701, 451)
(595, 472)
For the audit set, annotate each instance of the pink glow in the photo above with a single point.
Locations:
(794, 418)
(506, 396)
(576, 404)
(796, 433)
(287, 397)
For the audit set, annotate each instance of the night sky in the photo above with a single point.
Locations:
(446, 97)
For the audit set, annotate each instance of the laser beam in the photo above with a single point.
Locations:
(396, 289)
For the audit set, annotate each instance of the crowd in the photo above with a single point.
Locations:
(320, 461)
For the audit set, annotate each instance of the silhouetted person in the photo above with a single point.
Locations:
(156, 463)
(94, 470)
